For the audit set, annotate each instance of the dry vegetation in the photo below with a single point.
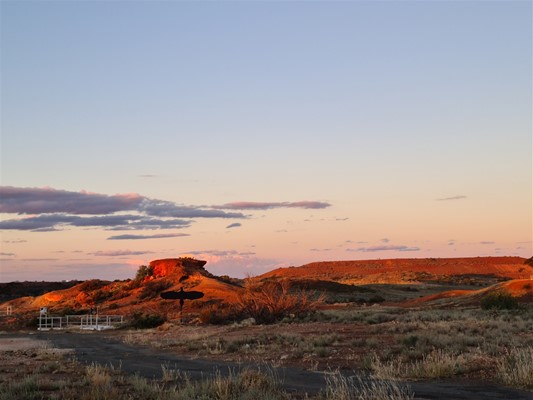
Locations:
(389, 343)
(45, 373)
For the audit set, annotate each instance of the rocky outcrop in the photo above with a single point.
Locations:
(178, 268)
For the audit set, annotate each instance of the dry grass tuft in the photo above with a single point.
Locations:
(340, 387)
(516, 368)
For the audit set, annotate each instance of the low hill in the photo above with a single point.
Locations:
(474, 270)
(520, 289)
(140, 295)
(13, 290)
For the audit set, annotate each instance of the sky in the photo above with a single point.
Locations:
(261, 134)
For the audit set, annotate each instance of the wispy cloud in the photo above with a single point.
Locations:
(117, 253)
(141, 237)
(53, 222)
(234, 225)
(385, 240)
(487, 242)
(460, 197)
(148, 176)
(384, 248)
(219, 253)
(7, 254)
(53, 209)
(250, 205)
(15, 241)
(162, 208)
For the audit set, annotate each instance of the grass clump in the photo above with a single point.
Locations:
(516, 368)
(248, 384)
(434, 365)
(340, 387)
(26, 389)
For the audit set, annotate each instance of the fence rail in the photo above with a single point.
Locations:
(88, 322)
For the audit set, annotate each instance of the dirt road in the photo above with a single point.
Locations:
(103, 348)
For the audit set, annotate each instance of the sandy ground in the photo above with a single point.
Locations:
(22, 343)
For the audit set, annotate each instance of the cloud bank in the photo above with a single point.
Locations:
(47, 209)
(51, 209)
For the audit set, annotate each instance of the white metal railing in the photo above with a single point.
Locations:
(7, 311)
(89, 322)
(47, 322)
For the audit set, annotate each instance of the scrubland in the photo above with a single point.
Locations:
(389, 346)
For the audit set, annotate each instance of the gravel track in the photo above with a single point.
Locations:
(103, 348)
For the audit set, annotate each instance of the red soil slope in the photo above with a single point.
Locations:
(522, 289)
(405, 270)
(126, 298)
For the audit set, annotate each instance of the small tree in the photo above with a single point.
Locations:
(142, 273)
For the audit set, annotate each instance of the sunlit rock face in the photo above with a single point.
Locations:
(178, 267)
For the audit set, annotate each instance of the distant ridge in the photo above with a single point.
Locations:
(407, 270)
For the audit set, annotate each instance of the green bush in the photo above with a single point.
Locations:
(142, 273)
(499, 300)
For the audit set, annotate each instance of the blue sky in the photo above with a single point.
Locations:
(379, 108)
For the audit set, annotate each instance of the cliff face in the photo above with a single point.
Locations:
(178, 267)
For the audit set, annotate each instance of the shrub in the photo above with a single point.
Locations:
(218, 314)
(101, 295)
(91, 284)
(499, 300)
(152, 288)
(272, 301)
(142, 321)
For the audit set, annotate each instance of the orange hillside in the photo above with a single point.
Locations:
(406, 270)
